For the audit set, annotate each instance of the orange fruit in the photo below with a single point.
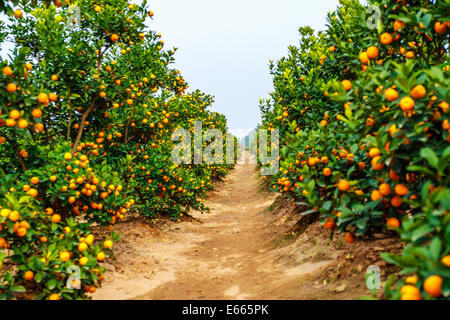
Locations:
(56, 218)
(108, 244)
(385, 189)
(439, 27)
(11, 87)
(412, 279)
(54, 296)
(36, 113)
(410, 292)
(52, 97)
(391, 94)
(446, 260)
(349, 238)
(22, 123)
(418, 92)
(14, 216)
(43, 98)
(377, 163)
(401, 190)
(64, 256)
(433, 286)
(18, 13)
(101, 256)
(55, 77)
(7, 71)
(363, 57)
(343, 185)
(32, 193)
(114, 37)
(14, 114)
(376, 195)
(34, 180)
(372, 52)
(68, 156)
(347, 84)
(327, 172)
(82, 246)
(386, 38)
(29, 275)
(329, 224)
(392, 223)
(22, 232)
(373, 152)
(83, 261)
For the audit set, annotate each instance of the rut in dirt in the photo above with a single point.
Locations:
(228, 253)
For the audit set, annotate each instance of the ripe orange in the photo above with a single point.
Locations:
(64, 256)
(36, 113)
(377, 163)
(418, 92)
(376, 195)
(56, 218)
(391, 94)
(101, 256)
(114, 37)
(392, 223)
(401, 190)
(67, 156)
(55, 77)
(14, 114)
(386, 38)
(22, 124)
(347, 84)
(439, 27)
(29, 275)
(327, 172)
(83, 261)
(410, 292)
(108, 244)
(7, 71)
(433, 286)
(385, 189)
(373, 152)
(22, 232)
(18, 13)
(54, 296)
(43, 98)
(396, 201)
(446, 260)
(32, 193)
(329, 224)
(34, 180)
(14, 216)
(343, 185)
(349, 238)
(372, 52)
(11, 87)
(82, 246)
(363, 57)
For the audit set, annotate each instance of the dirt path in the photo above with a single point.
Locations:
(230, 253)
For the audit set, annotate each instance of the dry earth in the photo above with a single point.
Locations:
(250, 246)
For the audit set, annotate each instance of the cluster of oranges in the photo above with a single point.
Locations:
(373, 160)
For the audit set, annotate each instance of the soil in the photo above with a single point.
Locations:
(252, 245)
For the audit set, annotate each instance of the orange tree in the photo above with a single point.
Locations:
(88, 105)
(363, 113)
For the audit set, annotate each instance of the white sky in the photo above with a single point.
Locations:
(225, 46)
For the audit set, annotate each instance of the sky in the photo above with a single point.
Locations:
(225, 46)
